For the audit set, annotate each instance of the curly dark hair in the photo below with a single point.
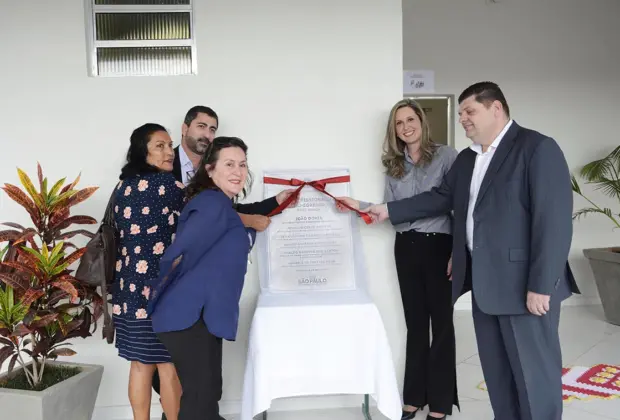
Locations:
(202, 181)
(136, 163)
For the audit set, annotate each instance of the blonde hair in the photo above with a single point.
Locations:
(393, 157)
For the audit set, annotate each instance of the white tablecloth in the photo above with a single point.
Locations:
(318, 344)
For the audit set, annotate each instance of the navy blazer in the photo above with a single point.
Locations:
(214, 246)
(522, 222)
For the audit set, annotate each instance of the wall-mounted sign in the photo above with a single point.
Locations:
(418, 81)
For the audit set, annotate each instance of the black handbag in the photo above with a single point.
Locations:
(96, 266)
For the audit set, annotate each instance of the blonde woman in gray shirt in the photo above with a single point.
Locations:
(422, 250)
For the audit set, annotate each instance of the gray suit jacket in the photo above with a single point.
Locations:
(522, 222)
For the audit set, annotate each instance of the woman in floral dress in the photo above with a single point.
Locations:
(148, 203)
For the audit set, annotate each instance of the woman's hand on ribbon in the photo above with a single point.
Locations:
(349, 202)
(284, 195)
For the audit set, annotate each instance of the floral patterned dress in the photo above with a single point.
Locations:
(146, 213)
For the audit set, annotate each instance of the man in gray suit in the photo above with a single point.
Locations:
(512, 201)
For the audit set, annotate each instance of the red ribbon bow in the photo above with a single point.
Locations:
(318, 185)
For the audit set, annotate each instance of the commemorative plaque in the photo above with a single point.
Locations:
(308, 246)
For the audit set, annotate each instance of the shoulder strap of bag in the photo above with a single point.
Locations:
(108, 217)
(108, 322)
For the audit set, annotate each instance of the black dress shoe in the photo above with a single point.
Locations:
(408, 415)
(429, 417)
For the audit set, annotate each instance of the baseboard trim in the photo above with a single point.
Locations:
(230, 408)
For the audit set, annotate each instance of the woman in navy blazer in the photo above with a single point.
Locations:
(195, 300)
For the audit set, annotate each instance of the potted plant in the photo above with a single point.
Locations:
(604, 174)
(42, 306)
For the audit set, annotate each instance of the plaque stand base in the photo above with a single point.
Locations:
(365, 409)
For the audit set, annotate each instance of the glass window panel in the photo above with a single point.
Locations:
(144, 61)
(142, 26)
(141, 2)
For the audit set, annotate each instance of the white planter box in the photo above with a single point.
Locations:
(72, 399)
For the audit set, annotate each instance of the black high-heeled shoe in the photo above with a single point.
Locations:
(408, 415)
(429, 417)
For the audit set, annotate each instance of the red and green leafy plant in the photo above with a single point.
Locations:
(42, 305)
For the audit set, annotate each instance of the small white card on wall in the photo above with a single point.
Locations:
(419, 81)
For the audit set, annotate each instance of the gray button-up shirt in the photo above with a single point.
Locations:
(417, 180)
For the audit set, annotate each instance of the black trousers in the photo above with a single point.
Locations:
(426, 291)
(197, 356)
(156, 384)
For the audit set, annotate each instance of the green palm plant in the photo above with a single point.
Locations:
(604, 174)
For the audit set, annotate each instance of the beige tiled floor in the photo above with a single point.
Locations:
(586, 340)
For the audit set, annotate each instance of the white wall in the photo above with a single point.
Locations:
(557, 62)
(304, 83)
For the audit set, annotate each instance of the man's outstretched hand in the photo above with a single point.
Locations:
(378, 212)
(255, 221)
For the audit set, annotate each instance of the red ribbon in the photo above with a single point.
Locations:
(318, 185)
